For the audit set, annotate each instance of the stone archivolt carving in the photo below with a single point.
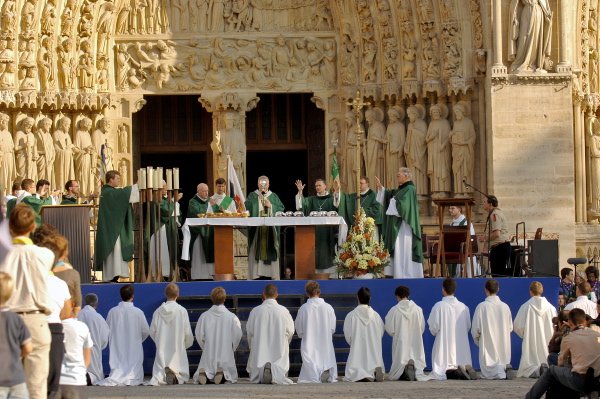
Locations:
(430, 51)
(281, 63)
(369, 42)
(453, 50)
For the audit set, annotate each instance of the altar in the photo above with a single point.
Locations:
(304, 239)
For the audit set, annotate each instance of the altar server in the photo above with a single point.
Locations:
(534, 324)
(406, 324)
(171, 331)
(99, 331)
(492, 324)
(363, 330)
(315, 325)
(218, 333)
(449, 322)
(270, 329)
(128, 329)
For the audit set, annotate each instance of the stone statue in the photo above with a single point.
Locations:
(45, 150)
(26, 150)
(593, 144)
(8, 16)
(103, 27)
(529, 35)
(86, 69)
(123, 67)
(28, 16)
(328, 63)
(462, 138)
(375, 143)
(124, 171)
(48, 19)
(85, 156)
(101, 73)
(230, 141)
(415, 147)
(8, 168)
(439, 152)
(215, 15)
(101, 140)
(123, 139)
(63, 147)
(67, 20)
(45, 64)
(67, 67)
(396, 137)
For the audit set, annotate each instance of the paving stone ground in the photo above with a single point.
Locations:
(499, 389)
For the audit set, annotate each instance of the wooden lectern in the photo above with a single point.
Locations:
(73, 221)
(442, 204)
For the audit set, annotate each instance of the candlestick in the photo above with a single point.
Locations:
(150, 177)
(176, 179)
(169, 179)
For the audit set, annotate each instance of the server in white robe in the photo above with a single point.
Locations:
(491, 328)
(270, 328)
(363, 330)
(315, 325)
(128, 329)
(406, 324)
(582, 302)
(449, 322)
(218, 333)
(100, 333)
(534, 325)
(171, 331)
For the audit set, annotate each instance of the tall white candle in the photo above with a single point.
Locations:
(176, 179)
(150, 177)
(141, 181)
(157, 182)
(169, 179)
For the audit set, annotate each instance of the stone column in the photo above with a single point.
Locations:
(498, 68)
(579, 147)
(566, 37)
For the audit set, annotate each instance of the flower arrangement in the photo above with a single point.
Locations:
(361, 253)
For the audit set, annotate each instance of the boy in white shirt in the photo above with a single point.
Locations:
(78, 355)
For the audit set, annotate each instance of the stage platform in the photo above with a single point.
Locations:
(425, 292)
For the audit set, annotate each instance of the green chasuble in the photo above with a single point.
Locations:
(267, 237)
(324, 235)
(36, 204)
(408, 211)
(368, 202)
(115, 220)
(206, 233)
(68, 200)
(10, 205)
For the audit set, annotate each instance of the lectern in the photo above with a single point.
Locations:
(73, 221)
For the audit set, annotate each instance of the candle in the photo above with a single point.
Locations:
(176, 179)
(141, 181)
(169, 179)
(150, 177)
(157, 182)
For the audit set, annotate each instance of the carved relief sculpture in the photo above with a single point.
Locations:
(462, 138)
(124, 171)
(415, 148)
(26, 150)
(7, 64)
(101, 140)
(375, 143)
(63, 147)
(86, 70)
(230, 141)
(530, 35)
(9, 16)
(439, 152)
(48, 19)
(45, 150)
(85, 156)
(123, 136)
(103, 27)
(67, 68)
(396, 137)
(8, 168)
(45, 64)
(28, 17)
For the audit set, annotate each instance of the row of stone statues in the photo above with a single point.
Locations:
(35, 151)
(440, 154)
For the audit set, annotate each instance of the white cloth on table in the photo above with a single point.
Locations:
(100, 332)
(363, 330)
(449, 322)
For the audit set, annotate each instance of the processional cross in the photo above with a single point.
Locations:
(357, 104)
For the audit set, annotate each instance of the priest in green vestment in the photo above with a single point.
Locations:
(114, 237)
(324, 235)
(263, 241)
(220, 201)
(202, 244)
(37, 200)
(401, 227)
(368, 202)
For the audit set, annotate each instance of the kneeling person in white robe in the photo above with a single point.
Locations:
(491, 327)
(363, 330)
(99, 331)
(270, 329)
(534, 324)
(449, 322)
(171, 331)
(406, 324)
(218, 333)
(128, 329)
(315, 325)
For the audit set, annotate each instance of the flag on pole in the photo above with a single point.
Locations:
(235, 189)
(335, 169)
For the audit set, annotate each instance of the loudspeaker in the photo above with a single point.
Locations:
(543, 257)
